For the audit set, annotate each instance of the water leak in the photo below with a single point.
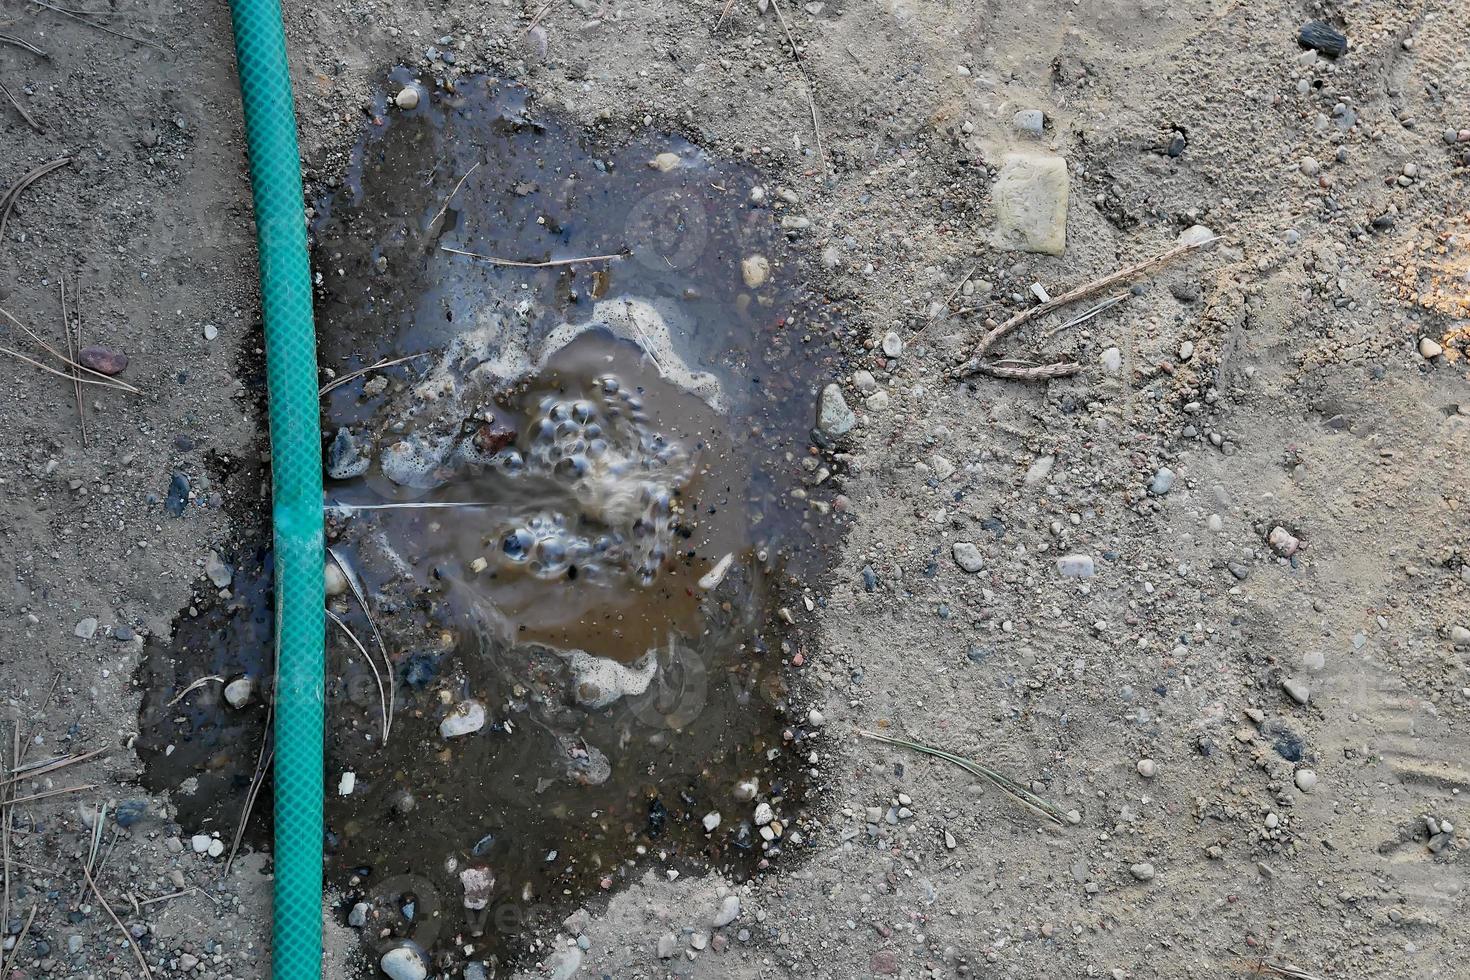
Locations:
(586, 510)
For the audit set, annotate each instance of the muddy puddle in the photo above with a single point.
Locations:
(586, 513)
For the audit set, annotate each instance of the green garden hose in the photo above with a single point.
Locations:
(296, 478)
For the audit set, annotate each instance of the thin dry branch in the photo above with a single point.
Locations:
(444, 208)
(336, 383)
(257, 779)
(15, 950)
(165, 898)
(1003, 782)
(21, 42)
(805, 77)
(127, 936)
(71, 352)
(377, 674)
(8, 199)
(724, 13)
(194, 686)
(81, 17)
(360, 595)
(531, 265)
(977, 363)
(49, 793)
(20, 108)
(51, 765)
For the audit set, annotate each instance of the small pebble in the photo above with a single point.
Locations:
(1076, 566)
(1143, 871)
(1299, 691)
(467, 718)
(239, 691)
(103, 360)
(1429, 348)
(1306, 780)
(1162, 482)
(407, 97)
(406, 962)
(1032, 122)
(967, 556)
(1147, 768)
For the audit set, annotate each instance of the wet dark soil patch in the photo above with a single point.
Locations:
(586, 512)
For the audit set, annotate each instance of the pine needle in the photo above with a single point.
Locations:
(360, 595)
(531, 265)
(1007, 785)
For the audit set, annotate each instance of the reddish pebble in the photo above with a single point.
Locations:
(103, 360)
(884, 963)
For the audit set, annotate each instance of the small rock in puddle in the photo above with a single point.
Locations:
(589, 656)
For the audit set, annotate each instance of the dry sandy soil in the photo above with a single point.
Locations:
(1265, 754)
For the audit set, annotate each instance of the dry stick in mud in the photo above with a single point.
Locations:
(977, 363)
(24, 113)
(257, 779)
(432, 228)
(378, 366)
(1007, 785)
(52, 765)
(71, 352)
(15, 950)
(377, 674)
(531, 265)
(20, 42)
(87, 865)
(805, 77)
(8, 199)
(80, 16)
(358, 593)
(194, 686)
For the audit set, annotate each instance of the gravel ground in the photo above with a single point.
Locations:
(1252, 710)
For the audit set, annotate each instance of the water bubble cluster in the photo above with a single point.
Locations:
(611, 484)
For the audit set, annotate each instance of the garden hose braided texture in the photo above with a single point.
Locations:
(296, 477)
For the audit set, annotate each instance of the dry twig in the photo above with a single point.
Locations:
(81, 17)
(21, 42)
(336, 383)
(51, 765)
(194, 686)
(8, 199)
(20, 108)
(978, 364)
(102, 899)
(71, 352)
(805, 77)
(15, 950)
(531, 265)
(1007, 785)
(257, 779)
(724, 13)
(444, 208)
(49, 793)
(377, 674)
(360, 595)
